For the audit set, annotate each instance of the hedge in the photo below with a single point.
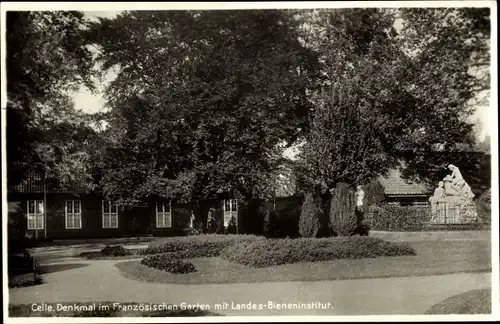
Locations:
(397, 218)
(166, 263)
(115, 250)
(271, 252)
(197, 246)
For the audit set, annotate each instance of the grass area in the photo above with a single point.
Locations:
(106, 309)
(471, 302)
(433, 258)
(24, 280)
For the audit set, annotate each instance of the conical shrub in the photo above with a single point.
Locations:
(343, 220)
(309, 223)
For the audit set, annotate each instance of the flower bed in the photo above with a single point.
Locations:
(114, 250)
(166, 263)
(265, 253)
(197, 246)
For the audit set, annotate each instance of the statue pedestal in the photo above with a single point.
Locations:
(454, 210)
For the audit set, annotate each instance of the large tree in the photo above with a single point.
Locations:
(449, 72)
(204, 101)
(47, 56)
(393, 94)
(354, 128)
(388, 94)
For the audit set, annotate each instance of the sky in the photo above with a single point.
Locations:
(91, 103)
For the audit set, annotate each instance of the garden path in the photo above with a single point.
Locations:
(77, 280)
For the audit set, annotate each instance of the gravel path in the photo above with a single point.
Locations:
(77, 280)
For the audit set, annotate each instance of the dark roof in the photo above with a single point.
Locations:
(395, 185)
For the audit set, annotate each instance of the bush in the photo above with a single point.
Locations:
(167, 263)
(191, 231)
(485, 198)
(24, 280)
(214, 225)
(309, 222)
(398, 218)
(23, 271)
(270, 229)
(483, 207)
(343, 220)
(271, 252)
(288, 212)
(231, 227)
(197, 246)
(115, 250)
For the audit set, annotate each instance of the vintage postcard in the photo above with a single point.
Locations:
(249, 161)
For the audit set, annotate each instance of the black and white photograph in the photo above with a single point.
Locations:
(249, 161)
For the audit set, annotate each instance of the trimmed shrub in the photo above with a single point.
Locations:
(197, 246)
(165, 262)
(343, 220)
(271, 252)
(398, 218)
(114, 250)
(309, 222)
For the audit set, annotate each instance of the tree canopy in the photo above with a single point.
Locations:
(47, 56)
(205, 102)
(391, 95)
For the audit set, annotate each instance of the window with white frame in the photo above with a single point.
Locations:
(35, 214)
(230, 210)
(73, 214)
(163, 215)
(109, 214)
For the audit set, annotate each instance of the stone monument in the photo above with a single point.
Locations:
(452, 200)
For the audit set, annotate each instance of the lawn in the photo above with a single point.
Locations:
(433, 258)
(104, 309)
(471, 302)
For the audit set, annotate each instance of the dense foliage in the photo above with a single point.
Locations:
(398, 218)
(343, 219)
(47, 56)
(205, 102)
(197, 246)
(309, 222)
(266, 253)
(166, 263)
(201, 106)
(116, 250)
